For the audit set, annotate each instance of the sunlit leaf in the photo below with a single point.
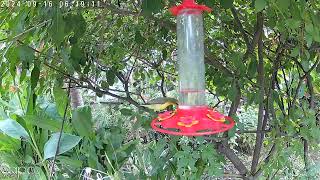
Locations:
(67, 142)
(13, 129)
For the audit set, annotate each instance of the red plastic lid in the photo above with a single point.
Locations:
(188, 4)
(193, 121)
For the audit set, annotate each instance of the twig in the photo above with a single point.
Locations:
(162, 83)
(305, 156)
(269, 98)
(266, 160)
(60, 133)
(90, 86)
(130, 71)
(281, 99)
(217, 104)
(286, 84)
(254, 131)
(301, 79)
(26, 31)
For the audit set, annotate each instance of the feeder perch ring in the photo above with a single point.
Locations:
(192, 122)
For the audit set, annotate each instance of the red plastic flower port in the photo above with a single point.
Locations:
(192, 121)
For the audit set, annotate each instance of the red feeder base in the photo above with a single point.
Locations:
(192, 121)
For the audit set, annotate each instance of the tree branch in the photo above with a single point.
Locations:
(266, 160)
(224, 148)
(162, 83)
(260, 69)
(256, 36)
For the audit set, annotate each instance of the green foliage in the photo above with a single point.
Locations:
(82, 121)
(259, 5)
(67, 142)
(226, 4)
(151, 6)
(13, 129)
(57, 28)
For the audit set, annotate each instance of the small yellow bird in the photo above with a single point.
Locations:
(161, 103)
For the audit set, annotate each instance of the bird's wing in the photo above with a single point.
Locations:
(163, 100)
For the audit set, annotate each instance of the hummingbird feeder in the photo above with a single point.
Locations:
(192, 117)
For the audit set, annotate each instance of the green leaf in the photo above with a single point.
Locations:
(104, 85)
(13, 129)
(57, 28)
(259, 5)
(23, 75)
(61, 98)
(82, 121)
(283, 4)
(126, 112)
(232, 91)
(295, 52)
(50, 109)
(226, 3)
(293, 23)
(110, 75)
(76, 23)
(17, 24)
(252, 69)
(309, 39)
(151, 6)
(305, 64)
(67, 142)
(301, 91)
(25, 53)
(35, 74)
(309, 28)
(74, 163)
(77, 57)
(138, 38)
(46, 124)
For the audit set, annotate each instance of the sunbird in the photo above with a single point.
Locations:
(161, 103)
